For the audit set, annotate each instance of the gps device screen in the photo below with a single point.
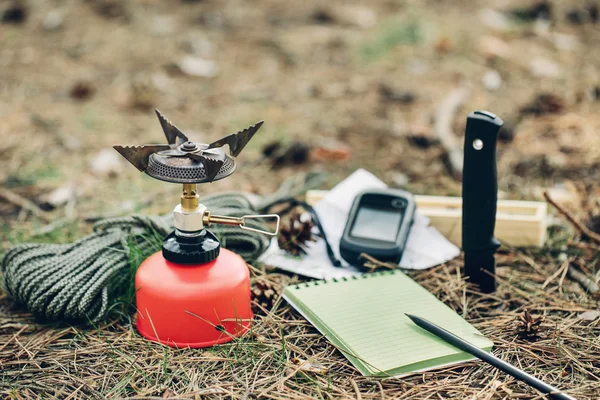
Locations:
(375, 224)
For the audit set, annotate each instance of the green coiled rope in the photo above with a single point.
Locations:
(79, 282)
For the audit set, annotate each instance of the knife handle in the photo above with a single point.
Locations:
(480, 195)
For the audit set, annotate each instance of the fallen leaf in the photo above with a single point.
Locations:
(309, 365)
(331, 150)
(400, 179)
(358, 16)
(544, 68)
(54, 20)
(199, 45)
(197, 66)
(59, 196)
(443, 45)
(589, 315)
(564, 193)
(106, 162)
(492, 80)
(563, 41)
(495, 19)
(162, 25)
(492, 47)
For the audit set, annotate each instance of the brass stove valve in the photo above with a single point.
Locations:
(191, 216)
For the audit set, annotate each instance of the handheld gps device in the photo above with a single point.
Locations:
(378, 225)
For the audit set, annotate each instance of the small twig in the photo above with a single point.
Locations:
(52, 226)
(25, 204)
(14, 337)
(558, 272)
(380, 389)
(13, 326)
(372, 263)
(578, 225)
(588, 284)
(356, 389)
(562, 279)
(444, 117)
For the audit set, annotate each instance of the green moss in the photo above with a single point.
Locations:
(389, 36)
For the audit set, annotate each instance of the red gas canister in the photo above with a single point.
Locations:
(197, 305)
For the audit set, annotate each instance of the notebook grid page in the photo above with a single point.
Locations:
(367, 314)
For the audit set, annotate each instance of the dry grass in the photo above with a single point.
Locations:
(113, 361)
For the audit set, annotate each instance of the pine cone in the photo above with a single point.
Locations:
(264, 295)
(528, 325)
(296, 232)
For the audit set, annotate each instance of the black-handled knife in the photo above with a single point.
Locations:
(480, 195)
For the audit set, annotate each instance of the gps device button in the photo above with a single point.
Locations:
(399, 203)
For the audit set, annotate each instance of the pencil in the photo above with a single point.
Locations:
(489, 358)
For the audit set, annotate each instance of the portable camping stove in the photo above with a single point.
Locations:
(193, 293)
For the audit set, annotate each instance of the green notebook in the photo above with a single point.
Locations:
(364, 317)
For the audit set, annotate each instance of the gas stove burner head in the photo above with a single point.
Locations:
(184, 161)
(213, 165)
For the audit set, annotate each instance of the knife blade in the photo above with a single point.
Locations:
(480, 196)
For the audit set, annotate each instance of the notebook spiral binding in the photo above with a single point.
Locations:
(345, 279)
